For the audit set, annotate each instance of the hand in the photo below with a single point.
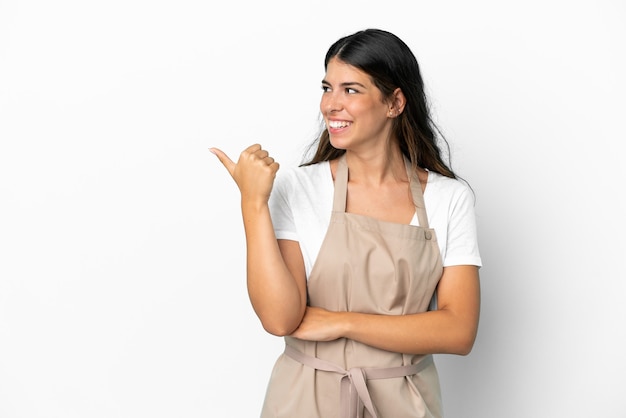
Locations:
(254, 172)
(319, 325)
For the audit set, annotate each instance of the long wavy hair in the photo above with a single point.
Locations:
(391, 64)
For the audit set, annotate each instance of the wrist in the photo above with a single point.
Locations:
(346, 324)
(252, 205)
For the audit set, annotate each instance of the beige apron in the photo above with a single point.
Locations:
(369, 266)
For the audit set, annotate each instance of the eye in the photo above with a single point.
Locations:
(350, 90)
(325, 89)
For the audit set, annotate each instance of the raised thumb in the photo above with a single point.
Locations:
(224, 159)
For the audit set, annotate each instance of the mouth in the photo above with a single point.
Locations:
(338, 124)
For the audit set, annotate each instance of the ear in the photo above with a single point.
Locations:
(398, 101)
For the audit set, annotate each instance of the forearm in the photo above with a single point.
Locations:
(276, 296)
(440, 331)
(451, 329)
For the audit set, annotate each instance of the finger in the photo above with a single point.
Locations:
(253, 148)
(224, 159)
(262, 154)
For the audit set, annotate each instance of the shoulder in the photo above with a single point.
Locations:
(447, 185)
(442, 191)
(303, 177)
(301, 195)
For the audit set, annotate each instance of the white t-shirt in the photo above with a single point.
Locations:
(301, 204)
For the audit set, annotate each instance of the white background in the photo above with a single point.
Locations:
(122, 287)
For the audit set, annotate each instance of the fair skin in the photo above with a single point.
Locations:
(359, 120)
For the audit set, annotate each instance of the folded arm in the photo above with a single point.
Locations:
(450, 329)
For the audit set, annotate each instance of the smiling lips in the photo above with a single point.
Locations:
(338, 124)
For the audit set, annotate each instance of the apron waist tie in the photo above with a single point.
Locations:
(354, 393)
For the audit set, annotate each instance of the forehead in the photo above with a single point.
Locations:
(338, 72)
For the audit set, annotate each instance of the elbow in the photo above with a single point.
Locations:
(464, 349)
(463, 344)
(280, 328)
(281, 322)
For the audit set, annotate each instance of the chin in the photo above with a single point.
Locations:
(338, 144)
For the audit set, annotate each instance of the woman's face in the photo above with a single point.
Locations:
(356, 116)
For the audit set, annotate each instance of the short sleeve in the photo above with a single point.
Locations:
(462, 239)
(281, 210)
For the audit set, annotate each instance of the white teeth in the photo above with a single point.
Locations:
(338, 124)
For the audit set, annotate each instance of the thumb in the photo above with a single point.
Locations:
(224, 159)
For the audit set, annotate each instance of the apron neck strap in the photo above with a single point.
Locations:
(341, 189)
(341, 185)
(416, 192)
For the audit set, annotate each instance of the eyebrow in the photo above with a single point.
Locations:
(347, 84)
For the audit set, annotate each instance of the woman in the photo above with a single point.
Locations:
(346, 253)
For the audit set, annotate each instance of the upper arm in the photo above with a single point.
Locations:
(458, 292)
(292, 255)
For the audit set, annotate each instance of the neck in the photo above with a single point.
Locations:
(376, 168)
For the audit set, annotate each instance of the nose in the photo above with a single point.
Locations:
(330, 103)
